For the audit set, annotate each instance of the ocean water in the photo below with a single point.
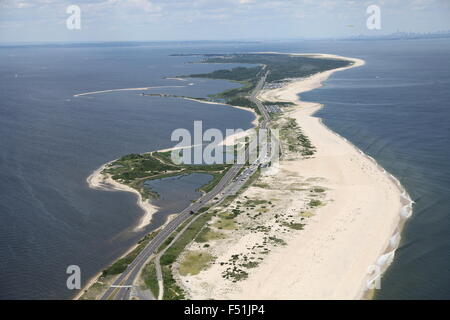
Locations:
(51, 142)
(396, 108)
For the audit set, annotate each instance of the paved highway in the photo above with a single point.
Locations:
(128, 277)
(120, 290)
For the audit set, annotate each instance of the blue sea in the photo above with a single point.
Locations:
(396, 108)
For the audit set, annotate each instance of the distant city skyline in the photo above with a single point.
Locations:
(184, 20)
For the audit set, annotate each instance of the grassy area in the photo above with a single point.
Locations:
(208, 235)
(296, 141)
(280, 66)
(306, 214)
(262, 185)
(277, 241)
(217, 176)
(171, 289)
(225, 224)
(150, 278)
(295, 226)
(95, 291)
(255, 202)
(120, 265)
(133, 166)
(278, 103)
(315, 203)
(235, 74)
(248, 77)
(194, 262)
(243, 102)
(134, 169)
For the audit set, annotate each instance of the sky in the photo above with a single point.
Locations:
(184, 20)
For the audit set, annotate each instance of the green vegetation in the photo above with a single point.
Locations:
(150, 278)
(97, 289)
(281, 66)
(243, 102)
(278, 103)
(133, 166)
(120, 265)
(315, 203)
(217, 176)
(262, 185)
(250, 264)
(235, 274)
(255, 202)
(306, 214)
(295, 139)
(225, 224)
(295, 226)
(134, 169)
(171, 290)
(248, 77)
(277, 241)
(208, 235)
(235, 74)
(278, 66)
(194, 262)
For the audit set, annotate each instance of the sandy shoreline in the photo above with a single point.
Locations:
(98, 181)
(104, 182)
(358, 228)
(389, 213)
(356, 232)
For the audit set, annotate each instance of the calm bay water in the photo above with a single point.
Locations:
(396, 108)
(51, 141)
(175, 193)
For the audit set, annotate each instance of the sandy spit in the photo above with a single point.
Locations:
(359, 230)
(355, 233)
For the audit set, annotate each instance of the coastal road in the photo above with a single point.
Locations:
(121, 288)
(253, 97)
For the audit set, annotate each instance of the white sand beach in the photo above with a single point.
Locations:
(342, 242)
(99, 181)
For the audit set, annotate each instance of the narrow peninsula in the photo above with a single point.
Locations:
(323, 224)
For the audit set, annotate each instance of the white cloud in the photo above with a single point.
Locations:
(22, 5)
(421, 4)
(145, 5)
(16, 4)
